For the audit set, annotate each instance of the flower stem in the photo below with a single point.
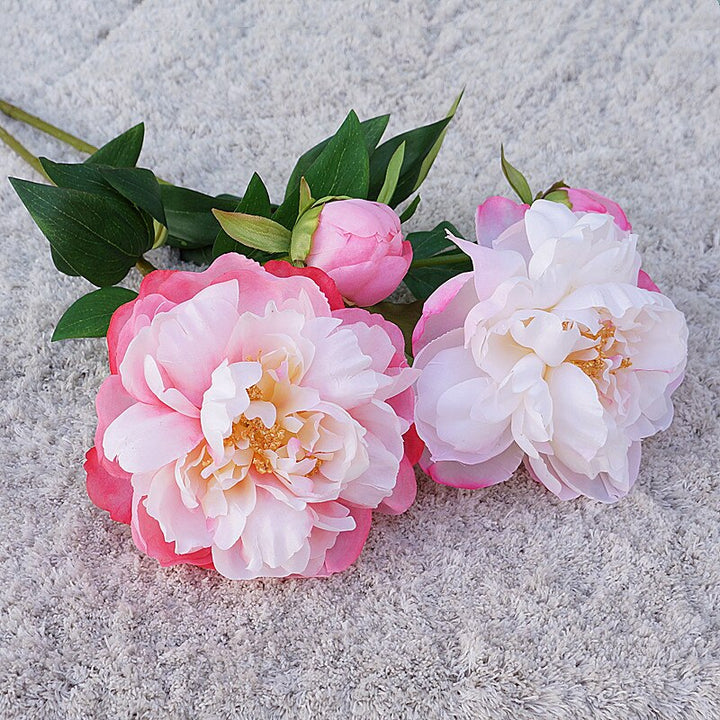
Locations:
(19, 114)
(144, 266)
(449, 259)
(15, 145)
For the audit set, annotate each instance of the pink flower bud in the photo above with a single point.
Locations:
(359, 244)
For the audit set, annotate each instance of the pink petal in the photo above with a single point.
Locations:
(349, 544)
(403, 495)
(281, 268)
(495, 216)
(588, 201)
(111, 492)
(148, 538)
(645, 282)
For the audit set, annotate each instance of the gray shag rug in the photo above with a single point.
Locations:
(499, 603)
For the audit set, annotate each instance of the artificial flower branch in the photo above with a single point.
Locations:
(259, 412)
(17, 113)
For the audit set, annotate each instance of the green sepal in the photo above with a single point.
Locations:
(90, 315)
(97, 237)
(301, 241)
(122, 151)
(392, 175)
(306, 198)
(255, 231)
(516, 179)
(559, 196)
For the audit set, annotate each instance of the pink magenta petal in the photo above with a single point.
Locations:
(149, 539)
(403, 496)
(349, 544)
(414, 446)
(589, 201)
(495, 216)
(281, 268)
(111, 492)
(645, 282)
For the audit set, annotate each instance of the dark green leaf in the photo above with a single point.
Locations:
(255, 201)
(409, 211)
(341, 168)
(140, 187)
(122, 151)
(197, 256)
(421, 147)
(78, 176)
(190, 221)
(516, 179)
(435, 260)
(90, 315)
(372, 130)
(97, 237)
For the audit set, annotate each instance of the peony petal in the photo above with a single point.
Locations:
(146, 437)
(109, 491)
(494, 216)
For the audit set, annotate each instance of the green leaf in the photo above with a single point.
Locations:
(90, 315)
(342, 168)
(255, 201)
(122, 151)
(140, 187)
(436, 259)
(97, 237)
(430, 157)
(516, 179)
(420, 144)
(78, 176)
(197, 256)
(392, 175)
(409, 211)
(372, 130)
(190, 221)
(255, 231)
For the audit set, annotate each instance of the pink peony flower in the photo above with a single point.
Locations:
(247, 426)
(548, 351)
(359, 244)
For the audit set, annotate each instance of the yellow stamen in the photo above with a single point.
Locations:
(594, 368)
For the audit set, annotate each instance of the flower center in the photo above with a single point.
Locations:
(604, 339)
(259, 437)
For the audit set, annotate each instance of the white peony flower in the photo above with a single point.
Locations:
(547, 351)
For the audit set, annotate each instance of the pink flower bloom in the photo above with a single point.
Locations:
(247, 426)
(549, 350)
(359, 244)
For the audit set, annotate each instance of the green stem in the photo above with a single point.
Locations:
(15, 145)
(144, 266)
(449, 259)
(19, 114)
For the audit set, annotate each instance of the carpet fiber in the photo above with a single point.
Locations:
(498, 603)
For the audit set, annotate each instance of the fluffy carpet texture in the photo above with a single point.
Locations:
(502, 603)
